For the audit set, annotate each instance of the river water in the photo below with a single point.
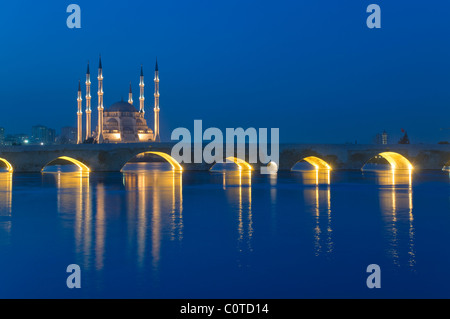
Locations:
(152, 233)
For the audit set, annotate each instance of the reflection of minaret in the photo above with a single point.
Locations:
(88, 103)
(79, 116)
(156, 109)
(397, 207)
(100, 102)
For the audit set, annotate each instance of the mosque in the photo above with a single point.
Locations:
(121, 122)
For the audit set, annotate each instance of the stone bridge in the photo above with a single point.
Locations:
(112, 157)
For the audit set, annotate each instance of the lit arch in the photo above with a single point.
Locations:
(243, 165)
(80, 165)
(318, 163)
(446, 167)
(397, 161)
(173, 162)
(8, 164)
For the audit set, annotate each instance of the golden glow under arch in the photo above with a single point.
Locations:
(318, 163)
(397, 161)
(173, 162)
(8, 164)
(243, 165)
(80, 165)
(446, 167)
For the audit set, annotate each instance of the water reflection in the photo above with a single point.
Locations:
(396, 203)
(314, 177)
(74, 197)
(5, 207)
(238, 186)
(155, 207)
(5, 193)
(318, 199)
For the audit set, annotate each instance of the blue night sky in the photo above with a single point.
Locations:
(311, 68)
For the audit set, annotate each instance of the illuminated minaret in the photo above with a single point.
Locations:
(130, 96)
(88, 103)
(156, 109)
(141, 96)
(100, 102)
(80, 116)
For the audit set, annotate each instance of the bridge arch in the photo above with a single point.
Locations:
(173, 162)
(83, 167)
(243, 165)
(395, 160)
(318, 163)
(8, 164)
(446, 167)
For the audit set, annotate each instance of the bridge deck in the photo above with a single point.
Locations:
(112, 157)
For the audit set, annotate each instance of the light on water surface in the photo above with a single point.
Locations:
(151, 231)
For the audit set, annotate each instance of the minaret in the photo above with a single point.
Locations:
(156, 109)
(100, 102)
(80, 116)
(130, 96)
(88, 103)
(141, 96)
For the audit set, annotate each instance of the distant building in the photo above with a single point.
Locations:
(122, 122)
(381, 138)
(384, 138)
(16, 139)
(42, 135)
(68, 135)
(404, 139)
(2, 135)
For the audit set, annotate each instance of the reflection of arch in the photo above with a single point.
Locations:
(318, 202)
(5, 193)
(80, 165)
(315, 177)
(396, 160)
(175, 165)
(243, 165)
(318, 163)
(8, 164)
(391, 178)
(396, 204)
(155, 202)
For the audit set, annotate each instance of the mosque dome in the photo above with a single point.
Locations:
(122, 106)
